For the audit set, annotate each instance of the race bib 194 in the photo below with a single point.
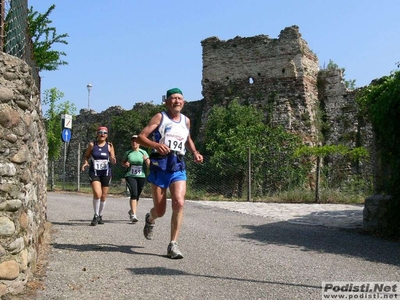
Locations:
(174, 143)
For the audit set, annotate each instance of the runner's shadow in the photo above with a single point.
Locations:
(72, 223)
(101, 248)
(168, 272)
(87, 222)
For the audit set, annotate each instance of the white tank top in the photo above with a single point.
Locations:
(172, 133)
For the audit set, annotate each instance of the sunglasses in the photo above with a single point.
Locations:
(102, 132)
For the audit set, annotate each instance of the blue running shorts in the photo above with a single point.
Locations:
(164, 179)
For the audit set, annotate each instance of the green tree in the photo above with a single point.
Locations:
(232, 132)
(322, 152)
(44, 37)
(380, 102)
(131, 122)
(53, 124)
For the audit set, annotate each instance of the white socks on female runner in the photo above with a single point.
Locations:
(101, 209)
(98, 206)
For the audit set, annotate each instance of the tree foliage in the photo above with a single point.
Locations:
(53, 120)
(322, 151)
(230, 133)
(44, 37)
(131, 122)
(380, 102)
(233, 132)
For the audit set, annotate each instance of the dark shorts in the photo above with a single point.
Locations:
(135, 186)
(164, 179)
(104, 180)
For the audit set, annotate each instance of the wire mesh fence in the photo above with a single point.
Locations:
(14, 33)
(14, 27)
(280, 180)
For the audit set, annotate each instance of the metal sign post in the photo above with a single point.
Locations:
(64, 162)
(66, 125)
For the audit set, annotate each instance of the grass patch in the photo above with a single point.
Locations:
(296, 195)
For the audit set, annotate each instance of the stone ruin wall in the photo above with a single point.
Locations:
(342, 121)
(276, 75)
(23, 174)
(282, 76)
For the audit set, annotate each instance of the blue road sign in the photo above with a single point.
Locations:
(66, 135)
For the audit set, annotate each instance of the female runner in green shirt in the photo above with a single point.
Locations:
(135, 161)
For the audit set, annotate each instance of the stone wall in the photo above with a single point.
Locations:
(23, 174)
(375, 211)
(282, 78)
(342, 123)
(279, 76)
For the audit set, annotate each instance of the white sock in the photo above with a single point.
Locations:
(102, 205)
(96, 205)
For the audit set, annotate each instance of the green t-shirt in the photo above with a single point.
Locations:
(137, 165)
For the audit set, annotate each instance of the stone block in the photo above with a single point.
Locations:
(9, 270)
(375, 209)
(3, 289)
(7, 227)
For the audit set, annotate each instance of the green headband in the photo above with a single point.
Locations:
(173, 91)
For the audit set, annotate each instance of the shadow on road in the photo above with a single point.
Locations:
(168, 272)
(86, 222)
(102, 248)
(332, 218)
(347, 242)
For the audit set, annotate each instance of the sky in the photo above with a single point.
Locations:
(133, 51)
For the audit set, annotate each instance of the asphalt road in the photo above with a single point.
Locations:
(228, 255)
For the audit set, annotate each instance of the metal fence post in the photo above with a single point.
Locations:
(249, 176)
(78, 170)
(318, 172)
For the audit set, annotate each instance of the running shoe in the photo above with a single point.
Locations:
(95, 220)
(173, 251)
(100, 220)
(148, 228)
(132, 217)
